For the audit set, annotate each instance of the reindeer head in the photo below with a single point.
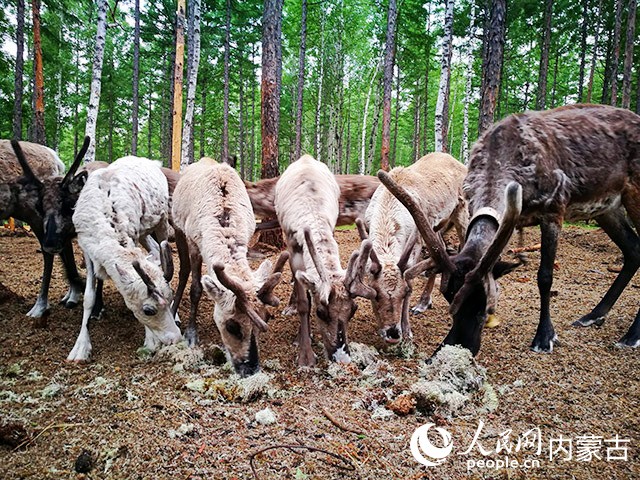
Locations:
(468, 278)
(148, 294)
(334, 294)
(240, 311)
(54, 198)
(391, 283)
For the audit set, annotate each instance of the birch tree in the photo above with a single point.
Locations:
(492, 61)
(361, 163)
(467, 87)
(441, 116)
(225, 107)
(301, 65)
(541, 97)
(96, 80)
(594, 53)
(615, 54)
(136, 76)
(389, 51)
(192, 82)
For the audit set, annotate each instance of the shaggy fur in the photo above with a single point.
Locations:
(435, 182)
(212, 208)
(306, 202)
(118, 208)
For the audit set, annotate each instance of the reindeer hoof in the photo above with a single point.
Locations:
(544, 345)
(589, 320)
(191, 336)
(421, 308)
(306, 360)
(628, 342)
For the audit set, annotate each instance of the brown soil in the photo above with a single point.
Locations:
(120, 416)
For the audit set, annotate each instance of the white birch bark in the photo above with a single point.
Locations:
(320, 80)
(361, 164)
(467, 87)
(94, 97)
(445, 74)
(192, 81)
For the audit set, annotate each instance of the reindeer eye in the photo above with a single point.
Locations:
(234, 329)
(323, 313)
(149, 310)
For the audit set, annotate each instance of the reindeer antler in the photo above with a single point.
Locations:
(76, 163)
(22, 159)
(406, 253)
(362, 229)
(355, 269)
(322, 273)
(151, 287)
(265, 293)
(433, 241)
(242, 302)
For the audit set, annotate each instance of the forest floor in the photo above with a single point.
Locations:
(138, 417)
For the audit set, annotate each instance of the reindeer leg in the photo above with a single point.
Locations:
(191, 333)
(306, 357)
(425, 299)
(621, 232)
(98, 306)
(545, 334)
(82, 348)
(183, 274)
(76, 283)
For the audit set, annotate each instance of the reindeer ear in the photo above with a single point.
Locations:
(262, 273)
(77, 183)
(306, 280)
(124, 275)
(210, 287)
(502, 268)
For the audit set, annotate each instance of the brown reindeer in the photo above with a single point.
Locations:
(571, 163)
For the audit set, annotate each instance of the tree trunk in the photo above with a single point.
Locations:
(395, 122)
(495, 34)
(270, 96)
(541, 96)
(136, 76)
(628, 55)
(613, 72)
(96, 82)
(415, 144)
(111, 109)
(241, 121)
(301, 61)
(347, 152)
(225, 108)
(425, 97)
(149, 123)
(19, 72)
(192, 82)
(374, 128)
(317, 145)
(38, 131)
(76, 90)
(361, 166)
(389, 53)
(253, 117)
(467, 87)
(442, 114)
(203, 112)
(583, 48)
(176, 137)
(555, 81)
(594, 53)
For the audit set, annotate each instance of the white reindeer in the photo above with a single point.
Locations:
(306, 201)
(211, 207)
(118, 209)
(435, 182)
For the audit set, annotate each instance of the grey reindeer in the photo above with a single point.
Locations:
(575, 162)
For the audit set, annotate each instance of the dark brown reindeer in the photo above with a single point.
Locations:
(571, 163)
(27, 202)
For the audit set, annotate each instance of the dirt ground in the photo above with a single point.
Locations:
(137, 417)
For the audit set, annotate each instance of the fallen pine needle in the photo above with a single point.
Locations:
(51, 426)
(339, 424)
(346, 463)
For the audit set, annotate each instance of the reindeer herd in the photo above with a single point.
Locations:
(577, 162)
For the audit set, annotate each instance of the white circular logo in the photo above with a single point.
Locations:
(420, 445)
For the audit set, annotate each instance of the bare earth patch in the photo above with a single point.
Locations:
(183, 415)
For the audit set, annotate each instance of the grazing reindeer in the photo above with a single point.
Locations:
(24, 197)
(306, 201)
(355, 194)
(435, 182)
(212, 210)
(571, 163)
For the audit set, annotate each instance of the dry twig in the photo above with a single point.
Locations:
(339, 424)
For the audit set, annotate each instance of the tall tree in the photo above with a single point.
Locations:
(467, 87)
(541, 96)
(176, 138)
(19, 72)
(583, 47)
(192, 81)
(628, 55)
(594, 53)
(96, 80)
(270, 92)
(136, 78)
(301, 64)
(615, 54)
(442, 114)
(225, 111)
(38, 130)
(493, 58)
(361, 164)
(389, 52)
